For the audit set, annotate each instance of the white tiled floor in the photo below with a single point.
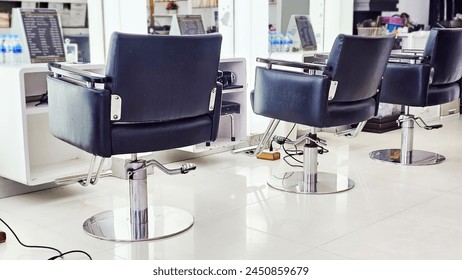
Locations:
(393, 212)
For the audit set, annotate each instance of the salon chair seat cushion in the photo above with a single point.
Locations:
(149, 137)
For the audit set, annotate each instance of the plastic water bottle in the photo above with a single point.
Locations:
(279, 42)
(16, 50)
(272, 41)
(8, 49)
(288, 42)
(2, 49)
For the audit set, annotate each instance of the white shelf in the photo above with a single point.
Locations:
(29, 153)
(32, 109)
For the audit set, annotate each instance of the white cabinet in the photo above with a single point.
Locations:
(239, 95)
(29, 154)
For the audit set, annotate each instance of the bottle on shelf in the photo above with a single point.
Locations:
(8, 49)
(2, 49)
(16, 50)
(279, 42)
(271, 41)
(288, 42)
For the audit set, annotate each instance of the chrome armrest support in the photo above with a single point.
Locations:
(76, 74)
(408, 58)
(265, 140)
(414, 51)
(91, 177)
(301, 65)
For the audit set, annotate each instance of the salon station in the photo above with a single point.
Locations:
(230, 129)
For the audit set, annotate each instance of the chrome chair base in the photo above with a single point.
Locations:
(115, 225)
(416, 158)
(326, 183)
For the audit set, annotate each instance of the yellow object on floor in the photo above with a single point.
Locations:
(269, 155)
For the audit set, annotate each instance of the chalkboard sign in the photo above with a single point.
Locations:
(41, 30)
(305, 31)
(190, 24)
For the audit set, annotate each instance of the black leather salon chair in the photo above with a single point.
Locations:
(422, 79)
(342, 92)
(158, 93)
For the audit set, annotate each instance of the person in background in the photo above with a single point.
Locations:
(407, 23)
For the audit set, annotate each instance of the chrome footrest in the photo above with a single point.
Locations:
(184, 169)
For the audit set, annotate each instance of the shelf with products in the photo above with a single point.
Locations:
(30, 155)
(73, 13)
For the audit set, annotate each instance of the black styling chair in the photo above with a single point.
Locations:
(425, 79)
(158, 93)
(342, 92)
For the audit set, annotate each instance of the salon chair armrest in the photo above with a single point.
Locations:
(217, 110)
(412, 79)
(291, 96)
(80, 115)
(414, 51)
(410, 57)
(294, 64)
(76, 74)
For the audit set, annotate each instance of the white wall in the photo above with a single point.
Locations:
(96, 31)
(292, 7)
(272, 15)
(107, 16)
(338, 19)
(251, 41)
(226, 14)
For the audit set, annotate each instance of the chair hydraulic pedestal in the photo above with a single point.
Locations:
(140, 222)
(423, 78)
(310, 181)
(407, 155)
(321, 96)
(136, 109)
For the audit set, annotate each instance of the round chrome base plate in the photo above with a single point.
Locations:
(418, 157)
(326, 183)
(115, 225)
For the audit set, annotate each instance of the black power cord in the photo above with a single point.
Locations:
(281, 140)
(60, 254)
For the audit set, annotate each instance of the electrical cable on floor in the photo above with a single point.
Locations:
(291, 154)
(61, 254)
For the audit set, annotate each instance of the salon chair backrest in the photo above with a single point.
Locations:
(444, 47)
(155, 80)
(349, 64)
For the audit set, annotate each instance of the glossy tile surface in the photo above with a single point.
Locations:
(393, 212)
